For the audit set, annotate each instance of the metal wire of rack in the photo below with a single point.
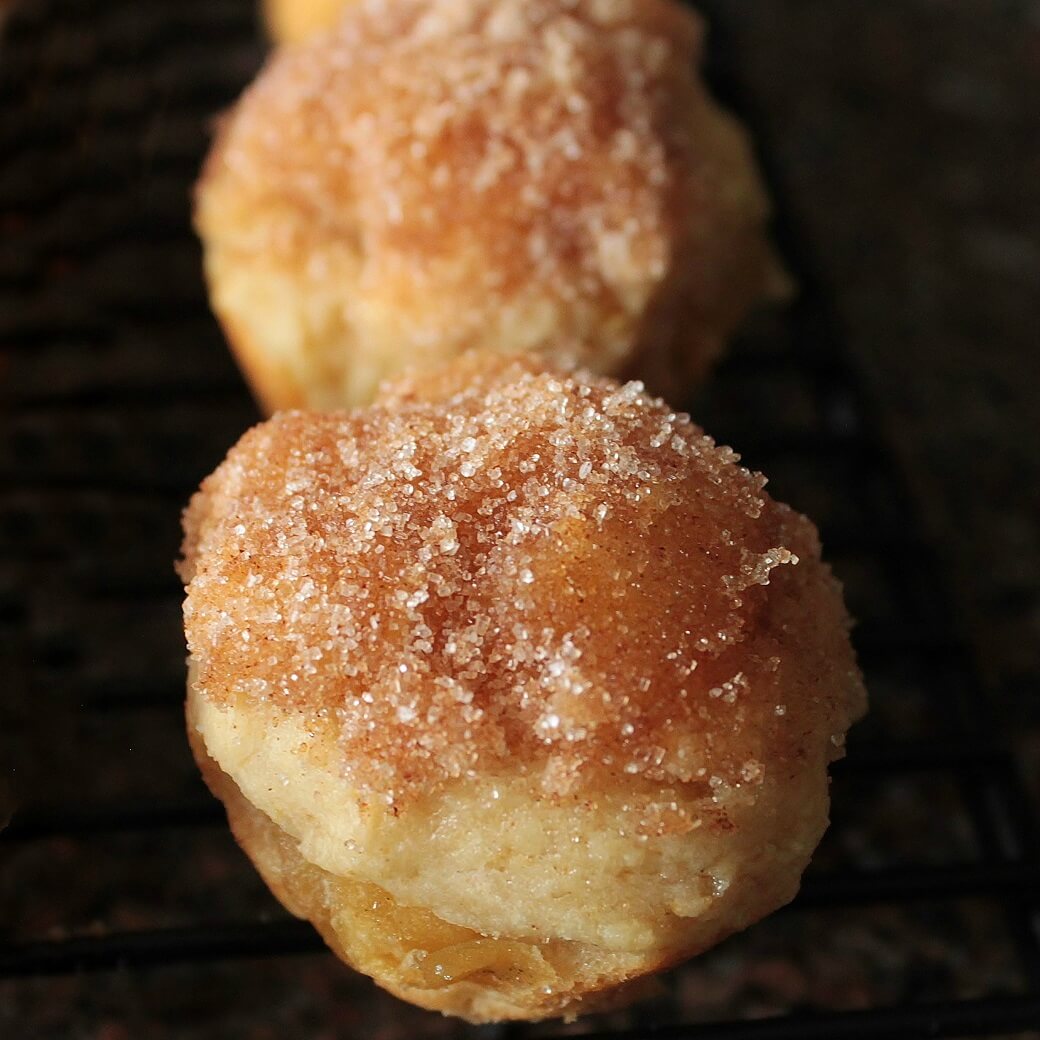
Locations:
(122, 898)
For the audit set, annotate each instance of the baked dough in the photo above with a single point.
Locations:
(438, 175)
(515, 684)
(289, 21)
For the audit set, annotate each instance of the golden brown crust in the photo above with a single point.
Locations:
(290, 21)
(437, 175)
(417, 956)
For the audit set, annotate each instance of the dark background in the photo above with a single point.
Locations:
(908, 136)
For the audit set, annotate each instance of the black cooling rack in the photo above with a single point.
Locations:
(125, 909)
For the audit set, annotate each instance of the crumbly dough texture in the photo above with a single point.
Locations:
(432, 176)
(527, 655)
(416, 955)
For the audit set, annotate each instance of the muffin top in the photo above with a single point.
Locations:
(502, 567)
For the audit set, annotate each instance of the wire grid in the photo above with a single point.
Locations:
(127, 898)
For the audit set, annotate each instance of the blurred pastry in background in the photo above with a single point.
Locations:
(515, 684)
(439, 175)
(289, 21)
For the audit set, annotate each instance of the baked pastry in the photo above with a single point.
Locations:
(515, 684)
(438, 175)
(289, 21)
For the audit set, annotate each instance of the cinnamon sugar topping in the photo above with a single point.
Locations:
(501, 566)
